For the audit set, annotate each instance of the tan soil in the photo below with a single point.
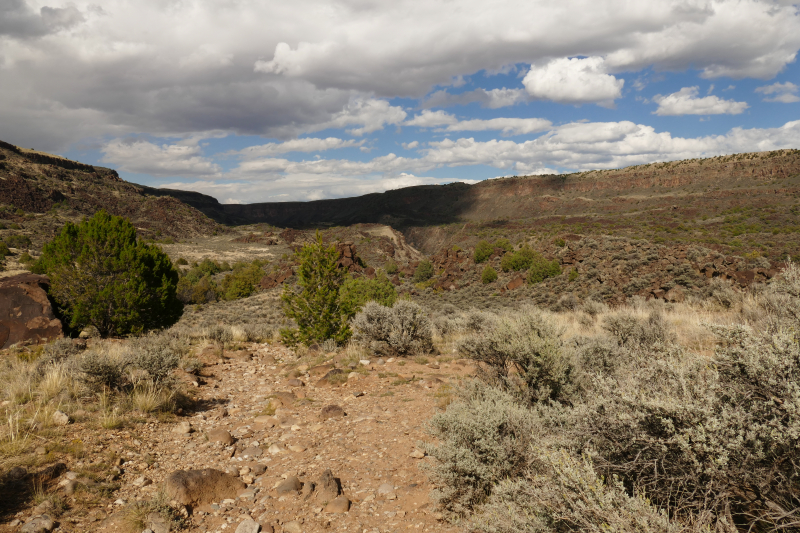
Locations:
(365, 449)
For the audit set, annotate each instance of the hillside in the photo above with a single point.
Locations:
(741, 202)
(39, 192)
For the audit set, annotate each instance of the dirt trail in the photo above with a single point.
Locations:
(371, 449)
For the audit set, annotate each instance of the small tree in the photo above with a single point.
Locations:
(423, 272)
(100, 275)
(482, 251)
(488, 275)
(316, 308)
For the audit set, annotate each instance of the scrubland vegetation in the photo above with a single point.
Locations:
(648, 417)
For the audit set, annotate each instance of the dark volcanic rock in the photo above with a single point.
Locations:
(26, 313)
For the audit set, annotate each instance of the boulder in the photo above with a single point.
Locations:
(515, 283)
(199, 487)
(26, 313)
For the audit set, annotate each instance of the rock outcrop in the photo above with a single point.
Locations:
(26, 313)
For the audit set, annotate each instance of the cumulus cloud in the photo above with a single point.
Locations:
(574, 146)
(686, 102)
(493, 98)
(287, 70)
(302, 188)
(431, 119)
(569, 147)
(785, 93)
(166, 160)
(509, 126)
(310, 144)
(573, 81)
(19, 20)
(370, 114)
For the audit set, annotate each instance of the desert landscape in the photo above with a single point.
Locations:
(611, 350)
(394, 267)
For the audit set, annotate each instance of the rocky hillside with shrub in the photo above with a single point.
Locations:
(735, 204)
(39, 192)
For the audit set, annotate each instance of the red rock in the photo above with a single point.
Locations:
(515, 283)
(26, 313)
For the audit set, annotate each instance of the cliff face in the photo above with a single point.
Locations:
(39, 192)
(649, 186)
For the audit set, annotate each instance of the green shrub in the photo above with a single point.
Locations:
(100, 275)
(402, 329)
(355, 292)
(484, 437)
(521, 259)
(423, 272)
(26, 259)
(541, 269)
(391, 267)
(504, 243)
(4, 251)
(315, 307)
(488, 275)
(560, 243)
(482, 251)
(243, 281)
(573, 275)
(181, 261)
(17, 241)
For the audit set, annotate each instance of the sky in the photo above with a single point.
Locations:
(269, 101)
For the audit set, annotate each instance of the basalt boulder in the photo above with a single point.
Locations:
(26, 313)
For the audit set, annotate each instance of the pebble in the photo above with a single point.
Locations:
(331, 411)
(293, 527)
(221, 436)
(248, 526)
(338, 505)
(290, 484)
(183, 428)
(417, 454)
(39, 524)
(60, 418)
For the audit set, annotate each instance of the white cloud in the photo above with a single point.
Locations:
(143, 157)
(573, 81)
(509, 126)
(686, 102)
(302, 188)
(493, 98)
(310, 144)
(411, 145)
(430, 119)
(372, 115)
(574, 146)
(785, 93)
(287, 69)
